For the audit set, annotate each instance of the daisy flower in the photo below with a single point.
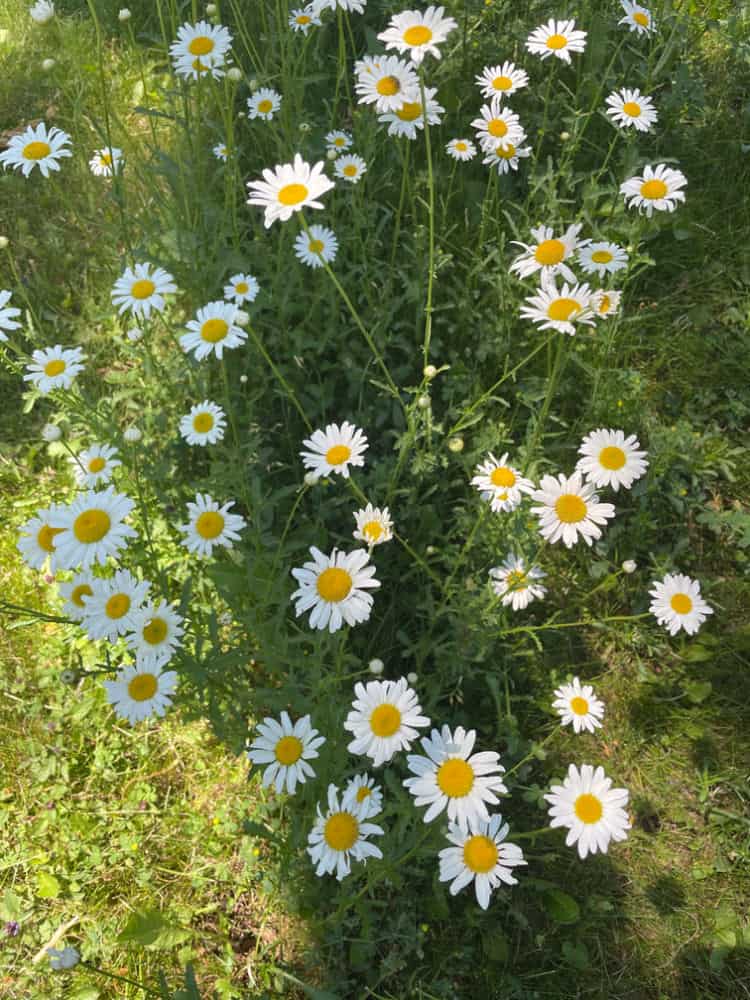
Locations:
(577, 703)
(501, 81)
(264, 104)
(92, 528)
(200, 48)
(335, 587)
(605, 303)
(350, 6)
(657, 190)
(221, 152)
(677, 603)
(285, 748)
(451, 777)
(500, 483)
(559, 309)
(205, 424)
(374, 526)
(350, 168)
(418, 33)
(637, 18)
(108, 612)
(54, 367)
(76, 593)
(334, 450)
(631, 108)
(385, 718)
(320, 246)
(242, 288)
(461, 149)
(570, 510)
(36, 147)
(156, 631)
(303, 18)
(515, 584)
(548, 253)
(213, 331)
(340, 836)
(338, 141)
(141, 289)
(601, 258)
(106, 162)
(611, 459)
(362, 789)
(209, 525)
(409, 117)
(137, 693)
(95, 465)
(386, 82)
(496, 124)
(480, 855)
(556, 38)
(289, 188)
(590, 808)
(7, 315)
(506, 156)
(37, 542)
(41, 12)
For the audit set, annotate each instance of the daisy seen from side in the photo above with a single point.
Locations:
(362, 789)
(559, 309)
(677, 603)
(335, 588)
(106, 162)
(156, 632)
(516, 583)
(75, 594)
(418, 33)
(659, 189)
(54, 367)
(141, 289)
(461, 149)
(480, 854)
(409, 117)
(317, 246)
(556, 38)
(500, 484)
(95, 465)
(221, 152)
(241, 288)
(601, 257)
(286, 749)
(336, 449)
(213, 331)
(340, 836)
(632, 109)
(387, 82)
(210, 524)
(374, 525)
(138, 692)
(37, 541)
(108, 611)
(577, 705)
(350, 167)
(385, 718)
(608, 458)
(605, 303)
(570, 510)
(288, 189)
(501, 81)
(7, 315)
(37, 146)
(637, 18)
(204, 425)
(507, 156)
(264, 103)
(548, 253)
(593, 811)
(92, 527)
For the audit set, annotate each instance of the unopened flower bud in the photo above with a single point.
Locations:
(132, 435)
(51, 432)
(3, 242)
(305, 127)
(629, 566)
(241, 318)
(332, 154)
(253, 85)
(134, 334)
(430, 371)
(243, 379)
(411, 677)
(564, 136)
(48, 64)
(456, 444)
(68, 676)
(123, 14)
(310, 479)
(211, 9)
(423, 402)
(430, 550)
(234, 74)
(376, 666)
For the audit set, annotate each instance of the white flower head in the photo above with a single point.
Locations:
(205, 424)
(362, 789)
(303, 18)
(637, 18)
(54, 367)
(242, 288)
(141, 289)
(350, 167)
(210, 525)
(409, 117)
(480, 854)
(516, 583)
(156, 633)
(108, 611)
(37, 146)
(335, 588)
(418, 32)
(605, 303)
(213, 331)
(548, 253)
(317, 248)
(335, 450)
(501, 81)
(139, 692)
(338, 141)
(496, 125)
(7, 315)
(677, 603)
(506, 156)
(288, 189)
(385, 718)
(95, 465)
(41, 12)
(200, 49)
(500, 484)
(339, 836)
(593, 811)
(559, 309)
(461, 149)
(611, 459)
(601, 257)
(37, 541)
(221, 152)
(106, 162)
(286, 748)
(264, 104)
(386, 81)
(61, 958)
(374, 525)
(658, 190)
(556, 38)
(76, 593)
(569, 510)
(578, 706)
(632, 109)
(92, 528)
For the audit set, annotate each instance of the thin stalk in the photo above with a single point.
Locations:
(277, 372)
(431, 223)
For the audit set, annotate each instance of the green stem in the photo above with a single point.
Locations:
(122, 979)
(287, 388)
(578, 624)
(531, 755)
(431, 223)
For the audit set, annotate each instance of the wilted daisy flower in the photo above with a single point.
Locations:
(95, 465)
(54, 367)
(636, 17)
(76, 593)
(37, 146)
(461, 149)
(303, 18)
(200, 48)
(205, 424)
(242, 288)
(374, 525)
(631, 108)
(92, 528)
(560, 310)
(593, 811)
(221, 152)
(37, 542)
(334, 450)
(548, 253)
(556, 38)
(210, 525)
(611, 459)
(501, 81)
(409, 117)
(41, 12)
(335, 588)
(141, 289)
(570, 510)
(386, 81)
(264, 104)
(106, 162)
(500, 483)
(289, 188)
(506, 156)
(577, 704)
(338, 141)
(657, 190)
(605, 303)
(516, 584)
(138, 692)
(350, 167)
(156, 631)
(286, 748)
(319, 246)
(496, 124)
(451, 776)
(601, 258)
(213, 330)
(108, 611)
(418, 32)
(362, 789)
(7, 314)
(482, 855)
(385, 718)
(677, 603)
(340, 836)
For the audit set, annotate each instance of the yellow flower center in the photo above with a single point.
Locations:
(338, 454)
(36, 150)
(288, 750)
(292, 194)
(653, 189)
(142, 289)
(497, 127)
(640, 17)
(340, 140)
(341, 831)
(602, 256)
(155, 632)
(579, 705)
(350, 170)
(502, 83)
(143, 687)
(79, 592)
(506, 152)
(480, 854)
(631, 109)
(386, 86)
(214, 330)
(302, 19)
(682, 604)
(455, 778)
(373, 530)
(242, 288)
(418, 34)
(315, 246)
(549, 252)
(56, 367)
(363, 793)
(570, 509)
(557, 42)
(209, 524)
(502, 476)
(604, 304)
(409, 111)
(117, 606)
(612, 457)
(334, 584)
(385, 720)
(265, 106)
(461, 147)
(588, 808)
(203, 422)
(91, 526)
(516, 579)
(201, 46)
(45, 538)
(97, 464)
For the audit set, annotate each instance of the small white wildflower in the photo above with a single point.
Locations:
(376, 666)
